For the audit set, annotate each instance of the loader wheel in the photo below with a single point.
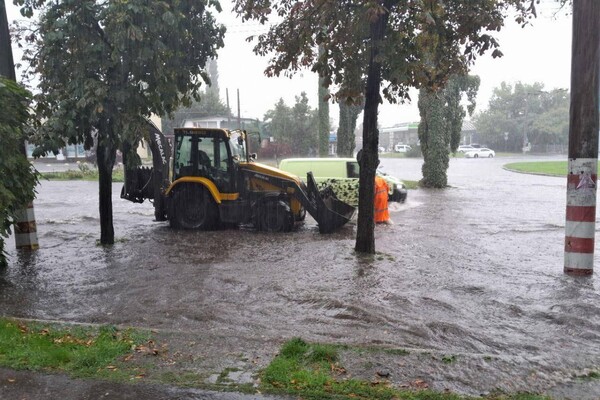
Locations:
(192, 207)
(275, 216)
(301, 215)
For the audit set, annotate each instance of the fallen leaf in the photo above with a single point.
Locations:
(11, 380)
(421, 384)
(111, 367)
(45, 332)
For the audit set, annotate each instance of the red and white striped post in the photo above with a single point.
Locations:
(26, 229)
(580, 226)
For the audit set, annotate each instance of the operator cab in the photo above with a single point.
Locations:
(212, 154)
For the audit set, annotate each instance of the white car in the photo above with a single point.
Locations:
(464, 148)
(482, 152)
(402, 148)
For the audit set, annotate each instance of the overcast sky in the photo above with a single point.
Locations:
(537, 53)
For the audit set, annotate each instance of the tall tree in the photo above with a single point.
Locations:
(277, 121)
(296, 127)
(441, 122)
(106, 66)
(396, 37)
(525, 112)
(213, 74)
(303, 132)
(323, 114)
(350, 105)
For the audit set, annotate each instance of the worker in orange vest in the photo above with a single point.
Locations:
(381, 201)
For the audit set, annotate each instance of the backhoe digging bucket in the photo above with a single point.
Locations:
(331, 212)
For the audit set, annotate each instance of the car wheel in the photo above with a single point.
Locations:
(275, 216)
(476, 156)
(192, 207)
(491, 156)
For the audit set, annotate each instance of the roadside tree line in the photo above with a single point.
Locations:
(525, 113)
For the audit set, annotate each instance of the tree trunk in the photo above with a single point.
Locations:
(106, 154)
(323, 117)
(345, 137)
(369, 159)
(7, 65)
(434, 139)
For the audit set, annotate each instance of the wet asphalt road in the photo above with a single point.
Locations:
(475, 270)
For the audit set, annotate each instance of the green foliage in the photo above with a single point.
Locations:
(295, 127)
(441, 123)
(424, 44)
(434, 139)
(18, 177)
(106, 66)
(527, 113)
(80, 351)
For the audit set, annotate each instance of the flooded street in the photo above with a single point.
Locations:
(474, 271)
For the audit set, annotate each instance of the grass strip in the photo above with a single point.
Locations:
(76, 350)
(78, 175)
(552, 168)
(312, 371)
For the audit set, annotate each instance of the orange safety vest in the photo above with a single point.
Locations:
(381, 200)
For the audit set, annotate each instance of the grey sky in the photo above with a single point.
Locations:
(537, 53)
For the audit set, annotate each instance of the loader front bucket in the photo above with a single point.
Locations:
(331, 212)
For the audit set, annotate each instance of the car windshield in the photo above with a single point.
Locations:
(238, 145)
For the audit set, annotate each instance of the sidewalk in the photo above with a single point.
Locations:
(27, 385)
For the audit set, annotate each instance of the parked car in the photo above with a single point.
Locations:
(402, 148)
(342, 175)
(482, 152)
(464, 148)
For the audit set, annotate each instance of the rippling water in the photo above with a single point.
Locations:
(475, 270)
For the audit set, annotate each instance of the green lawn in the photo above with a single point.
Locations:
(312, 371)
(553, 168)
(77, 350)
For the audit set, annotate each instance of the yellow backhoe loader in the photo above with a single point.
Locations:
(212, 180)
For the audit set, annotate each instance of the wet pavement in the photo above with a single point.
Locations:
(469, 280)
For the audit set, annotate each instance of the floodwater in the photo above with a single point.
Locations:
(474, 271)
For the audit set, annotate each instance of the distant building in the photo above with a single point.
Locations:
(407, 133)
(404, 133)
(221, 122)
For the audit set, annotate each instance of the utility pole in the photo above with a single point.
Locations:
(228, 109)
(239, 114)
(25, 227)
(580, 226)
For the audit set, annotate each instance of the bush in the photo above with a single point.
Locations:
(18, 177)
